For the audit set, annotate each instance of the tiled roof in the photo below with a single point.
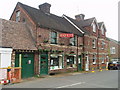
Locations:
(16, 35)
(50, 21)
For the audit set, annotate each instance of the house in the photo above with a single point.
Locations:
(45, 43)
(95, 45)
(56, 52)
(114, 47)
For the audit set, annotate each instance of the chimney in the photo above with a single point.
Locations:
(79, 17)
(45, 7)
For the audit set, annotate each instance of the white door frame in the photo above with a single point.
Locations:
(87, 63)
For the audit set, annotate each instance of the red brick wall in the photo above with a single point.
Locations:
(28, 21)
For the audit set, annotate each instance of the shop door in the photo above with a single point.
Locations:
(44, 64)
(27, 64)
(79, 63)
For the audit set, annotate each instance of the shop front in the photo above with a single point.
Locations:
(56, 61)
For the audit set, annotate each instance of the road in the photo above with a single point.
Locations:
(104, 79)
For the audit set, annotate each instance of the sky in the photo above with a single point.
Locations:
(103, 10)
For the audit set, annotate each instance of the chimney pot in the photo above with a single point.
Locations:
(79, 17)
(45, 7)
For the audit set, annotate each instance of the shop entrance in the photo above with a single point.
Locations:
(79, 63)
(44, 64)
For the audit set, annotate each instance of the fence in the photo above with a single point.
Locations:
(10, 75)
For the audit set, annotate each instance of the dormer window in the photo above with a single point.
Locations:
(94, 27)
(18, 16)
(102, 30)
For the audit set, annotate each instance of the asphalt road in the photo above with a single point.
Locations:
(104, 79)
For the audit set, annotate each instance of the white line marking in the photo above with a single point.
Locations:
(71, 85)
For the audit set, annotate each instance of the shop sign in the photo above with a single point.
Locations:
(66, 35)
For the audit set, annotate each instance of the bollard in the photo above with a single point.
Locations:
(100, 69)
(9, 74)
(93, 70)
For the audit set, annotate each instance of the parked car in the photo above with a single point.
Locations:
(114, 66)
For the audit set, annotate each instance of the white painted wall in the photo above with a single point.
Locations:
(5, 57)
(5, 61)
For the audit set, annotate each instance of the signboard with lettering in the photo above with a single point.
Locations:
(66, 35)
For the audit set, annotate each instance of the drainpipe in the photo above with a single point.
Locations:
(77, 55)
(83, 63)
(98, 53)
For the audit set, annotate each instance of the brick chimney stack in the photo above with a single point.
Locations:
(79, 17)
(45, 7)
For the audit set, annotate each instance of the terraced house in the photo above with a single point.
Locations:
(54, 44)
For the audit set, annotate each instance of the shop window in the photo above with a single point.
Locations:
(18, 16)
(53, 38)
(73, 41)
(71, 62)
(56, 63)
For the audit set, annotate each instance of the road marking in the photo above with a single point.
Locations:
(71, 85)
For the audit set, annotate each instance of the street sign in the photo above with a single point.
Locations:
(66, 35)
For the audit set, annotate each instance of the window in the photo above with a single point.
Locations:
(102, 30)
(56, 62)
(94, 58)
(17, 16)
(94, 27)
(53, 37)
(73, 41)
(94, 43)
(103, 44)
(71, 61)
(112, 50)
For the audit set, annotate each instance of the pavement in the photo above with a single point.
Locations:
(104, 79)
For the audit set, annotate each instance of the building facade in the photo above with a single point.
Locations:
(56, 44)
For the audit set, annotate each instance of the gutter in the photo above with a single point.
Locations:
(73, 24)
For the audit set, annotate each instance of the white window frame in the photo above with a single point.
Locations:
(112, 50)
(94, 27)
(95, 58)
(102, 30)
(73, 41)
(103, 59)
(94, 43)
(103, 45)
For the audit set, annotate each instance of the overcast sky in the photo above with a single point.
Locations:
(104, 10)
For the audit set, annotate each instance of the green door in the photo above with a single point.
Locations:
(27, 64)
(44, 64)
(80, 63)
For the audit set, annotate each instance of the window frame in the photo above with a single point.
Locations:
(103, 44)
(102, 30)
(18, 15)
(103, 59)
(94, 58)
(73, 42)
(94, 27)
(94, 43)
(55, 38)
(113, 50)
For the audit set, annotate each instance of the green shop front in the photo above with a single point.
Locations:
(25, 60)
